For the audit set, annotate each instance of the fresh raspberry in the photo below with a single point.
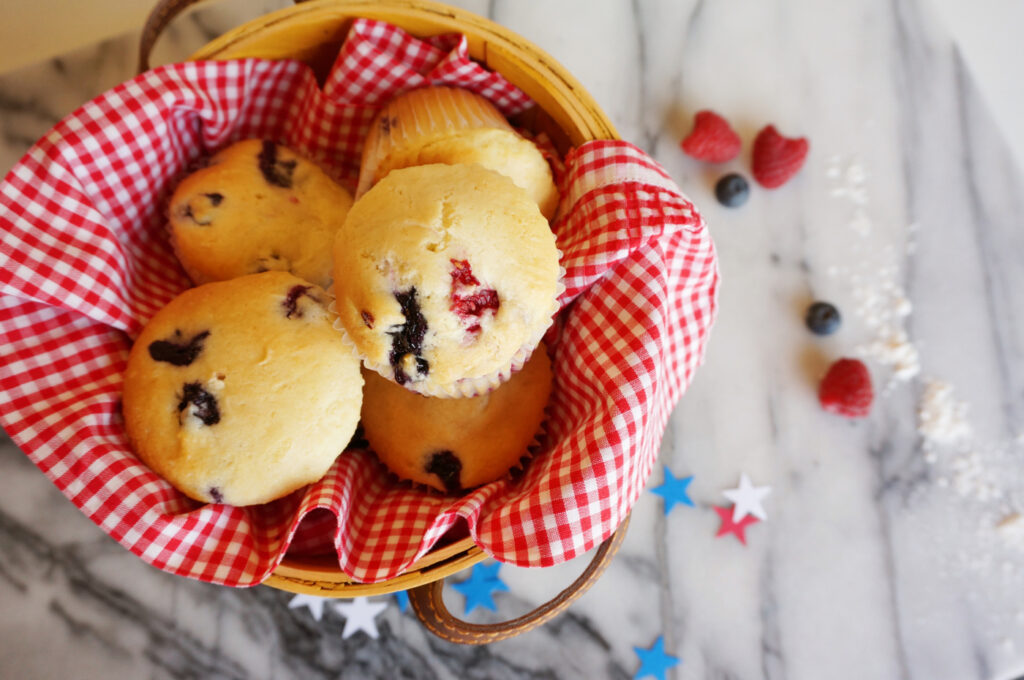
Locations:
(777, 158)
(711, 139)
(846, 389)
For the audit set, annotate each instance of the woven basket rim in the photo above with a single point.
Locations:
(543, 78)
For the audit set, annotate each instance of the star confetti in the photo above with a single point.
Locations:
(359, 616)
(403, 600)
(729, 526)
(673, 490)
(747, 499)
(483, 581)
(654, 661)
(314, 603)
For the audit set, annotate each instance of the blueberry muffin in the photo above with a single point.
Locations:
(448, 125)
(242, 391)
(456, 444)
(257, 206)
(446, 278)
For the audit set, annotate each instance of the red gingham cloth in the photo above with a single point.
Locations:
(85, 263)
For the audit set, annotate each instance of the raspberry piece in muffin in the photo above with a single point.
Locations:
(469, 300)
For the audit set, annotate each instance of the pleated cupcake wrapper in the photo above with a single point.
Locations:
(476, 385)
(346, 339)
(409, 120)
(85, 263)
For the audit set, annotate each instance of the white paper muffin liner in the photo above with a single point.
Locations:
(427, 114)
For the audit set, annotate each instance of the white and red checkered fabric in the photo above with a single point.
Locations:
(84, 263)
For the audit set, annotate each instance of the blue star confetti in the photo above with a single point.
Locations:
(673, 490)
(483, 581)
(403, 600)
(654, 661)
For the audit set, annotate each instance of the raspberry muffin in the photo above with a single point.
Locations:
(456, 444)
(257, 206)
(446, 278)
(448, 125)
(241, 391)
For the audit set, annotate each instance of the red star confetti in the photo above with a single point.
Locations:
(747, 499)
(732, 527)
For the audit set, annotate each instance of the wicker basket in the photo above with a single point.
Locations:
(313, 32)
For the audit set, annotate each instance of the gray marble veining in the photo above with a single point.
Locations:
(877, 561)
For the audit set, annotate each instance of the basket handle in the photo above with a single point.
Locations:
(159, 18)
(428, 603)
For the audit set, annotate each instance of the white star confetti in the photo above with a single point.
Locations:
(747, 499)
(314, 603)
(359, 616)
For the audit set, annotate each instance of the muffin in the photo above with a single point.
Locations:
(241, 391)
(456, 444)
(446, 278)
(257, 206)
(448, 125)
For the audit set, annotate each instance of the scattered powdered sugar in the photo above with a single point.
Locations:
(894, 349)
(879, 300)
(975, 497)
(941, 418)
(962, 465)
(970, 477)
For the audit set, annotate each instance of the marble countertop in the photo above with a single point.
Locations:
(893, 545)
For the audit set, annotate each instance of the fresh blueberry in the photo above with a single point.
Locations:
(822, 318)
(732, 190)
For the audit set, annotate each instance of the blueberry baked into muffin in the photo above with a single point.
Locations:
(454, 445)
(446, 278)
(448, 125)
(242, 391)
(257, 206)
